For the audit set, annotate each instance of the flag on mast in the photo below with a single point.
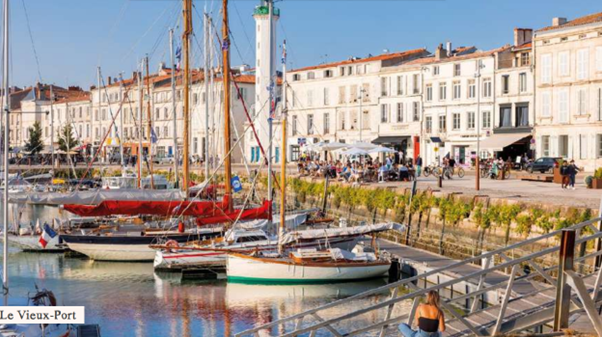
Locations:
(47, 235)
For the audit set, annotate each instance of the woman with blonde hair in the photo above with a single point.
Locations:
(429, 319)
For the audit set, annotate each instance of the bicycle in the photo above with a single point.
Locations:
(459, 171)
(428, 170)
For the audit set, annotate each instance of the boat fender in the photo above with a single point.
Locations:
(181, 227)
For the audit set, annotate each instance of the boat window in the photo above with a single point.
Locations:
(250, 239)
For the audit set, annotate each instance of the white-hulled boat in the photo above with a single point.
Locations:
(305, 266)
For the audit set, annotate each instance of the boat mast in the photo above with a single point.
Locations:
(270, 106)
(52, 129)
(173, 108)
(140, 127)
(185, 49)
(283, 159)
(149, 115)
(121, 138)
(226, 80)
(6, 102)
(206, 80)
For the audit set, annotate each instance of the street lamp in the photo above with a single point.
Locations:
(480, 65)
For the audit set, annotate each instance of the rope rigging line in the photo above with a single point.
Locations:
(33, 46)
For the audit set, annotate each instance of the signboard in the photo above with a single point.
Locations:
(301, 141)
(236, 184)
(436, 149)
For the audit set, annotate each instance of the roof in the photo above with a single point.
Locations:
(382, 57)
(454, 58)
(584, 20)
(527, 45)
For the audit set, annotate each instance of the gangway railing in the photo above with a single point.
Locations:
(537, 292)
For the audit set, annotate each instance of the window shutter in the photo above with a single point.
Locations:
(554, 146)
(570, 152)
(599, 58)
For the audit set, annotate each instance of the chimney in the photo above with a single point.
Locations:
(522, 36)
(558, 22)
(448, 46)
(440, 53)
(109, 80)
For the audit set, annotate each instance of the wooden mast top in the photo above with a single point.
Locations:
(226, 80)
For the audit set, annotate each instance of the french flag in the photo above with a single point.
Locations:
(47, 235)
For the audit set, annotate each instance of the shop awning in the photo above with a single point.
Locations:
(436, 140)
(390, 139)
(498, 142)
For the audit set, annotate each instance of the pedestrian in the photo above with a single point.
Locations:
(429, 319)
(571, 172)
(564, 174)
(451, 163)
(418, 166)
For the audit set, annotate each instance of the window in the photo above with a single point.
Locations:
(457, 90)
(456, 121)
(524, 59)
(471, 89)
(342, 71)
(353, 94)
(442, 123)
(546, 68)
(545, 146)
(353, 117)
(326, 123)
(522, 82)
(293, 98)
(442, 91)
(384, 113)
(399, 85)
(429, 93)
(384, 90)
(522, 115)
(582, 58)
(350, 70)
(399, 112)
(505, 84)
(471, 120)
(165, 113)
(366, 120)
(435, 70)
(359, 69)
(342, 119)
(341, 95)
(583, 146)
(428, 124)
(104, 114)
(296, 77)
(599, 104)
(195, 97)
(326, 97)
(457, 70)
(157, 132)
(157, 113)
(327, 73)
(310, 98)
(311, 75)
(366, 92)
(505, 116)
(416, 84)
(416, 111)
(563, 106)
(563, 63)
(546, 104)
(598, 58)
(581, 102)
(563, 146)
(487, 87)
(486, 120)
(310, 124)
(294, 126)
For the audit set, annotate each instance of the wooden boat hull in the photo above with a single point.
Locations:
(122, 248)
(244, 268)
(178, 259)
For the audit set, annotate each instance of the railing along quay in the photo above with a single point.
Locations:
(527, 296)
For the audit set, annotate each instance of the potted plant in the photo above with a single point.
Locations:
(597, 179)
(557, 167)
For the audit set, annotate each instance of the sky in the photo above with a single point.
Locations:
(71, 38)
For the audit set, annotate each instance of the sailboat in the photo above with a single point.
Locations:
(302, 265)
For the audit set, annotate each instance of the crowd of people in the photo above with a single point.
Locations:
(366, 170)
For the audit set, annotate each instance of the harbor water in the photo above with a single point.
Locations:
(130, 299)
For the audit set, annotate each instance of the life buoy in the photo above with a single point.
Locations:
(172, 243)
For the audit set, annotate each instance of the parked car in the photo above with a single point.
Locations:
(163, 160)
(544, 164)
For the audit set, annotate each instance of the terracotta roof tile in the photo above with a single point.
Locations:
(382, 57)
(584, 20)
(431, 59)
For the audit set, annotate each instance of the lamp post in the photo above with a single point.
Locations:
(478, 158)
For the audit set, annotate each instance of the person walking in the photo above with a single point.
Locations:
(564, 174)
(429, 319)
(571, 172)
(418, 166)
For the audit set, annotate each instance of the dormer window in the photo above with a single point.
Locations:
(327, 73)
(311, 76)
(296, 77)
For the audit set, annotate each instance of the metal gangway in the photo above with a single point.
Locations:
(506, 294)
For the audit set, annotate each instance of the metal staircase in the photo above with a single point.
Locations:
(506, 295)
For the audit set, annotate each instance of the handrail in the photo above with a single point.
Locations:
(326, 323)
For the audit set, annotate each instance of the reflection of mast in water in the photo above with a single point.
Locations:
(185, 318)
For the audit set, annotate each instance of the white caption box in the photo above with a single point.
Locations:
(42, 315)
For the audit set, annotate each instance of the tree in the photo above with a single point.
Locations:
(34, 143)
(66, 140)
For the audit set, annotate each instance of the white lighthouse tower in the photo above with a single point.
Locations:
(265, 78)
